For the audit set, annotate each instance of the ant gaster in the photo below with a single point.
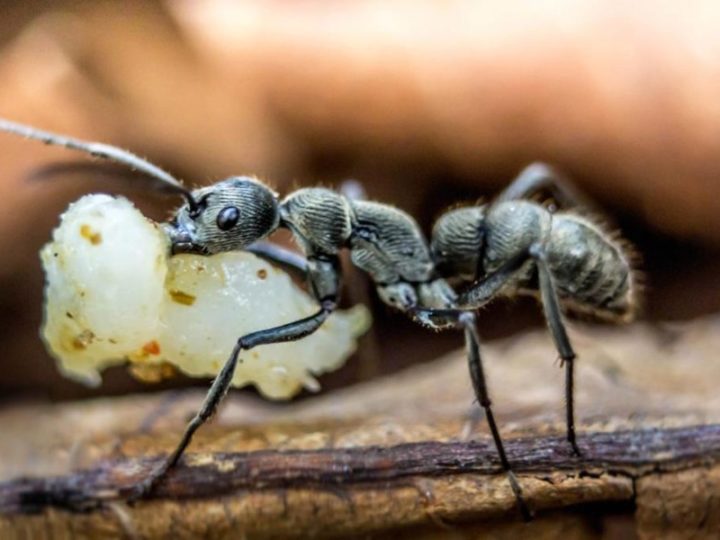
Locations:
(511, 246)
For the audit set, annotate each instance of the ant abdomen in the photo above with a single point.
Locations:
(592, 271)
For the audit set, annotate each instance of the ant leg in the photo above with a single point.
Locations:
(443, 318)
(472, 341)
(553, 315)
(540, 176)
(281, 256)
(287, 332)
(484, 290)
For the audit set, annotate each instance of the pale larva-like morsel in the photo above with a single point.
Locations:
(114, 295)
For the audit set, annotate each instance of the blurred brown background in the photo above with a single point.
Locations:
(425, 102)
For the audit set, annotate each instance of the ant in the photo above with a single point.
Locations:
(508, 247)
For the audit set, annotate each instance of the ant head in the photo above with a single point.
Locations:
(226, 216)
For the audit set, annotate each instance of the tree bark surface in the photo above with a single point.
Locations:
(395, 456)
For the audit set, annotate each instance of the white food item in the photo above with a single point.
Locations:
(114, 295)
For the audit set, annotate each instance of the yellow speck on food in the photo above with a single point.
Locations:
(182, 297)
(153, 373)
(81, 341)
(91, 236)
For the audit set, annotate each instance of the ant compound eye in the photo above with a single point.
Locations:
(227, 218)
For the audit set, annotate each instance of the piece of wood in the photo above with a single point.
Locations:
(631, 454)
(390, 455)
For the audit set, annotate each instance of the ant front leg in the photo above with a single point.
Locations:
(287, 258)
(323, 276)
(553, 315)
(287, 332)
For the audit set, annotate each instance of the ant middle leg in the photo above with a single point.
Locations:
(287, 332)
(444, 318)
(482, 291)
(477, 375)
(553, 315)
(485, 289)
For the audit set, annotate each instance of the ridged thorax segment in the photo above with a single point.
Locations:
(511, 228)
(320, 219)
(387, 243)
(458, 239)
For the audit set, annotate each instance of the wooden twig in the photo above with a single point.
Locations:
(627, 453)
(389, 456)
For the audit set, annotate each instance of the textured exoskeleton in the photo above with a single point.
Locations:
(592, 273)
(510, 246)
(237, 212)
(383, 241)
(516, 246)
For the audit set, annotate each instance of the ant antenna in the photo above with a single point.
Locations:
(102, 151)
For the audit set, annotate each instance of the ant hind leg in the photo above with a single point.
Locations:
(553, 315)
(538, 177)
